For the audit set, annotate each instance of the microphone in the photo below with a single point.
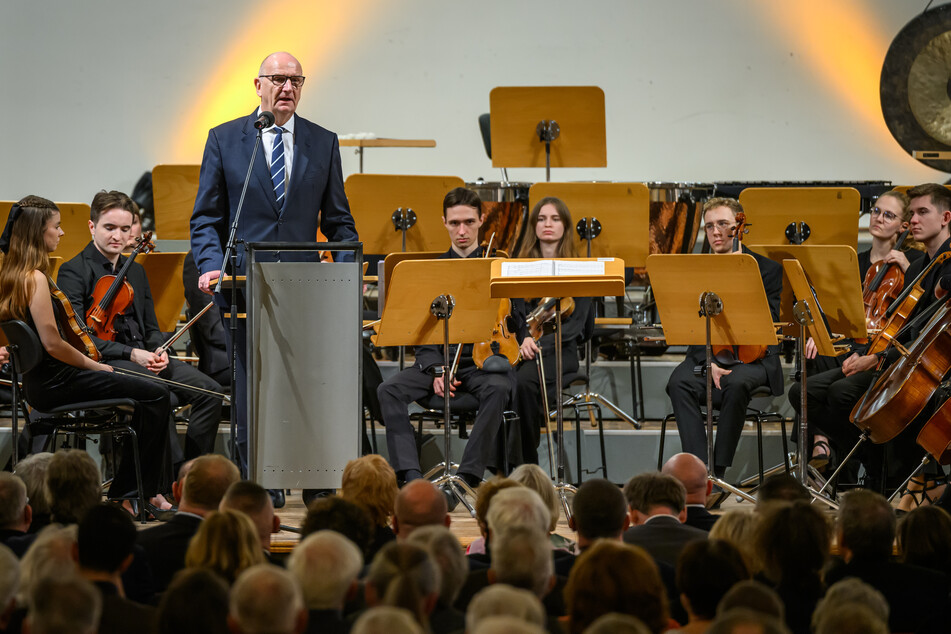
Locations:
(266, 120)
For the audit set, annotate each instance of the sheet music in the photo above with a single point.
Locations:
(578, 267)
(547, 268)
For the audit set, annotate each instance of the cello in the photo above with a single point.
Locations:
(112, 294)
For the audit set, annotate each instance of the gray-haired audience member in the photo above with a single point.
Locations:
(514, 507)
(743, 621)
(506, 625)
(73, 485)
(386, 619)
(847, 591)
(326, 565)
(521, 557)
(419, 503)
(196, 602)
(63, 604)
(535, 478)
(15, 513)
(254, 501)
(9, 580)
(615, 623)
(448, 554)
(32, 470)
(692, 473)
(503, 600)
(266, 600)
(755, 596)
(51, 555)
(598, 511)
(849, 618)
(404, 575)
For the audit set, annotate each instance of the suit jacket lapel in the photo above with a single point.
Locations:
(260, 173)
(302, 142)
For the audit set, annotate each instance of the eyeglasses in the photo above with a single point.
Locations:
(889, 216)
(723, 226)
(278, 80)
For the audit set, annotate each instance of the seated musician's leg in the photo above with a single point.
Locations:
(205, 409)
(734, 400)
(395, 394)
(523, 439)
(687, 392)
(494, 390)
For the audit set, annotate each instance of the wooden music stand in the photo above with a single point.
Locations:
(831, 214)
(365, 143)
(507, 281)
(174, 188)
(410, 319)
(376, 198)
(390, 262)
(570, 118)
(164, 272)
(711, 300)
(74, 220)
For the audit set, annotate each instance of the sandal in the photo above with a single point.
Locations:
(821, 455)
(922, 492)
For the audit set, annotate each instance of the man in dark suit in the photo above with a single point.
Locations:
(656, 505)
(732, 382)
(692, 473)
(199, 489)
(280, 206)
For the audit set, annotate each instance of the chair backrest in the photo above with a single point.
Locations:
(25, 345)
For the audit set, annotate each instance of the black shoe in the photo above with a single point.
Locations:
(277, 497)
(472, 480)
(309, 495)
(452, 501)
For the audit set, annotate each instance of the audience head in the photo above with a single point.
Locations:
(73, 485)
(326, 565)
(614, 623)
(226, 543)
(371, 482)
(405, 576)
(654, 493)
(487, 491)
(521, 557)
(195, 602)
(206, 482)
(507, 625)
(792, 543)
(738, 526)
(692, 473)
(32, 470)
(333, 513)
(254, 501)
(611, 576)
(9, 580)
(598, 510)
(178, 486)
(755, 596)
(706, 570)
(266, 600)
(500, 599)
(448, 554)
(923, 538)
(866, 525)
(385, 619)
(50, 555)
(514, 507)
(850, 591)
(535, 478)
(15, 512)
(849, 618)
(64, 604)
(781, 487)
(105, 539)
(419, 503)
(742, 621)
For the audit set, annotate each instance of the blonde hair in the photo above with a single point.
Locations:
(535, 478)
(738, 526)
(226, 543)
(27, 253)
(371, 482)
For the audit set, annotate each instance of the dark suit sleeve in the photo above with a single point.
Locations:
(336, 221)
(210, 217)
(78, 290)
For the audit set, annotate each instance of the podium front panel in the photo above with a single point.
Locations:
(304, 375)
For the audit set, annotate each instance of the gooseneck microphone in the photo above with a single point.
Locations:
(265, 120)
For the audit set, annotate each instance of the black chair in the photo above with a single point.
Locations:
(758, 417)
(96, 417)
(590, 408)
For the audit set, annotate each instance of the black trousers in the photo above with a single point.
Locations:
(67, 385)
(396, 393)
(688, 392)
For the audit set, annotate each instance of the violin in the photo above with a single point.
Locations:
(882, 286)
(502, 341)
(726, 356)
(545, 312)
(69, 327)
(112, 294)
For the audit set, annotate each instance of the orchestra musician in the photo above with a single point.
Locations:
(282, 207)
(733, 385)
(66, 375)
(137, 335)
(831, 395)
(462, 217)
(551, 238)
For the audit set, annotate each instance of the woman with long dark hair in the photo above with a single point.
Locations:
(66, 375)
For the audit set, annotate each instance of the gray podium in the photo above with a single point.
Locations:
(305, 405)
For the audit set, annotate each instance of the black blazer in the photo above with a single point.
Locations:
(663, 538)
(699, 517)
(165, 546)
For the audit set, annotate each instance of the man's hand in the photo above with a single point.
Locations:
(438, 386)
(4, 355)
(162, 361)
(856, 364)
(811, 349)
(529, 348)
(148, 360)
(717, 373)
(205, 279)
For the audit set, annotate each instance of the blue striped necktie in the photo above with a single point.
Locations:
(278, 173)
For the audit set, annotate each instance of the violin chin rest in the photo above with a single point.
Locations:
(496, 363)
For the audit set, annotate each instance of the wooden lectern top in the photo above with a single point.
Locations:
(387, 142)
(563, 277)
(832, 214)
(578, 110)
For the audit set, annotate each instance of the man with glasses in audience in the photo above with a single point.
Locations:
(733, 382)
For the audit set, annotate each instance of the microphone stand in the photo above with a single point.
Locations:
(232, 257)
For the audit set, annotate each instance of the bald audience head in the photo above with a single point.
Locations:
(692, 473)
(419, 503)
(254, 501)
(206, 483)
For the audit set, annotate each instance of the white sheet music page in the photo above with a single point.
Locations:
(578, 267)
(528, 269)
